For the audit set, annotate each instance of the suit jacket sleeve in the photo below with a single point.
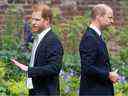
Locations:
(54, 53)
(88, 53)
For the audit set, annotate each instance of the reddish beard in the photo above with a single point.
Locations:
(35, 29)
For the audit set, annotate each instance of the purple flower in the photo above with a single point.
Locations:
(122, 79)
(71, 72)
(66, 76)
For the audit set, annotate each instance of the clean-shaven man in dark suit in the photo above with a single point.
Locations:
(46, 58)
(97, 78)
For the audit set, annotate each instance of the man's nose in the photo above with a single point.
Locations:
(112, 21)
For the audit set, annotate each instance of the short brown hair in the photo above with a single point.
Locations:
(99, 9)
(45, 10)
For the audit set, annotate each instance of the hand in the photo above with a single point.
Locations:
(20, 65)
(113, 76)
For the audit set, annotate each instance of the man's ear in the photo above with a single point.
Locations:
(99, 17)
(47, 20)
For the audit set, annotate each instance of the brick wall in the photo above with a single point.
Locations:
(68, 8)
(71, 8)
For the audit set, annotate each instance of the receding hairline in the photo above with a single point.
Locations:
(102, 6)
(100, 9)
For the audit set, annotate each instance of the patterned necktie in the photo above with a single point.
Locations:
(33, 51)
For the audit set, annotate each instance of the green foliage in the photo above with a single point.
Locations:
(121, 89)
(18, 88)
(10, 75)
(71, 61)
(120, 61)
(3, 90)
(71, 31)
(122, 36)
(69, 87)
(109, 33)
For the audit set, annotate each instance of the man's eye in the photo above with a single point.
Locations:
(36, 19)
(110, 17)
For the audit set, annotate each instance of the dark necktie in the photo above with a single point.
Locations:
(102, 37)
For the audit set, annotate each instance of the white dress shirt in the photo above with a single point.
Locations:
(96, 29)
(34, 48)
(36, 43)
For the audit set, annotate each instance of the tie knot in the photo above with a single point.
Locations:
(102, 37)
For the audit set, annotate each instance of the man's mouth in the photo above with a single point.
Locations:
(35, 28)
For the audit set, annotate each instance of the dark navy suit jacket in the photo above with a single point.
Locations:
(95, 66)
(47, 65)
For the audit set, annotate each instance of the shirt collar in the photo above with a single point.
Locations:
(43, 33)
(96, 29)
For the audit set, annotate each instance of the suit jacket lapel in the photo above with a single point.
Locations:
(43, 41)
(102, 45)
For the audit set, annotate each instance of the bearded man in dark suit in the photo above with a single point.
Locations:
(45, 64)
